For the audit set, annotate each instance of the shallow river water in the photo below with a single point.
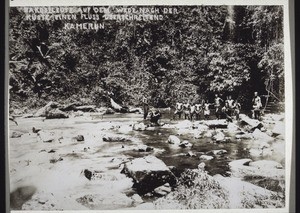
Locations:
(33, 155)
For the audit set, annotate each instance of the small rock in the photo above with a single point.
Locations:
(79, 138)
(115, 139)
(88, 174)
(144, 148)
(208, 134)
(55, 160)
(42, 201)
(46, 136)
(136, 198)
(219, 137)
(185, 143)
(16, 134)
(190, 154)
(244, 136)
(139, 127)
(219, 152)
(206, 157)
(163, 190)
(52, 151)
(173, 140)
(35, 130)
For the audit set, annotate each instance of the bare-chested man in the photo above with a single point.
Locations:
(186, 110)
(192, 111)
(229, 105)
(237, 108)
(206, 110)
(178, 110)
(198, 110)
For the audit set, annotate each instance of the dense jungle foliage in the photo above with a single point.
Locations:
(189, 55)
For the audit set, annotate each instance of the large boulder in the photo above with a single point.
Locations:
(243, 194)
(278, 128)
(43, 111)
(232, 129)
(219, 136)
(249, 123)
(246, 168)
(86, 108)
(135, 110)
(148, 173)
(259, 135)
(212, 124)
(266, 164)
(202, 127)
(56, 113)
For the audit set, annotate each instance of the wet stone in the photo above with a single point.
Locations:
(191, 154)
(206, 157)
(148, 173)
(115, 139)
(163, 190)
(173, 140)
(79, 138)
(185, 144)
(16, 134)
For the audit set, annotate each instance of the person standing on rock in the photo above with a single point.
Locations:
(178, 110)
(256, 106)
(145, 106)
(229, 105)
(237, 108)
(206, 110)
(218, 101)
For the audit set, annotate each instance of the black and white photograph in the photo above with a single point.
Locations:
(149, 107)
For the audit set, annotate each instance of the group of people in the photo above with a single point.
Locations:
(224, 109)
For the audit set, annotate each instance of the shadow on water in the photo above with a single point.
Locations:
(20, 196)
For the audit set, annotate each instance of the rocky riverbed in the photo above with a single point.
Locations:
(91, 160)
